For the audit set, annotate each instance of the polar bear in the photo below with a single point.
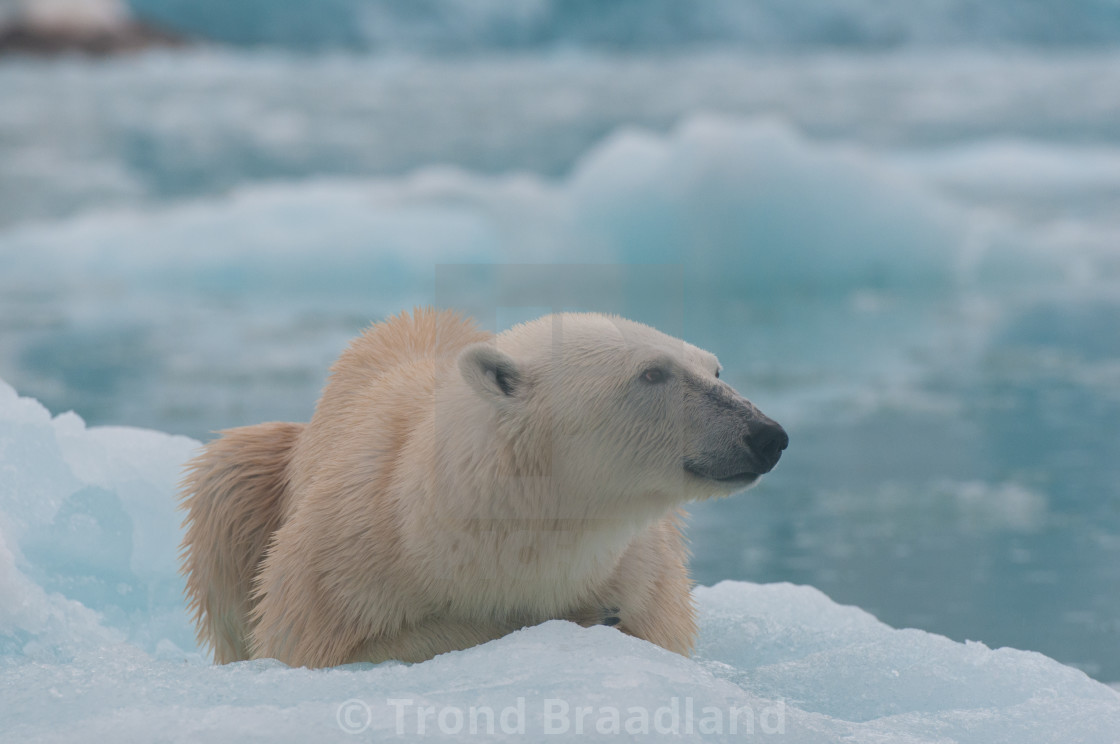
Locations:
(453, 486)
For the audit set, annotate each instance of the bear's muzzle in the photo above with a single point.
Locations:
(739, 443)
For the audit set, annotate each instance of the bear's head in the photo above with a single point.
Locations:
(615, 412)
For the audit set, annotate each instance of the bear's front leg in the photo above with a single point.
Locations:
(653, 590)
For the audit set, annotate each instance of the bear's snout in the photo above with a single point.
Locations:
(765, 439)
(739, 443)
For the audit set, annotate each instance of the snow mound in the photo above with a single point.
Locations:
(95, 645)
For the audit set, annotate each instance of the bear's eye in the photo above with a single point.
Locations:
(717, 374)
(654, 375)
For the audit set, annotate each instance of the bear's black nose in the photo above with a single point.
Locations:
(766, 439)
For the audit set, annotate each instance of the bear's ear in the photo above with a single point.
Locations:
(493, 374)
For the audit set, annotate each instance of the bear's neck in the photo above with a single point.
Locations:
(492, 517)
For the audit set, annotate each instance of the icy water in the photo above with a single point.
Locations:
(909, 258)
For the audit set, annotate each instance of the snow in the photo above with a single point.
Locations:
(95, 645)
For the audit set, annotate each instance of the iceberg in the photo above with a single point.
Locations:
(96, 645)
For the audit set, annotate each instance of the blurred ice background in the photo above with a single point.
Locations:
(898, 225)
